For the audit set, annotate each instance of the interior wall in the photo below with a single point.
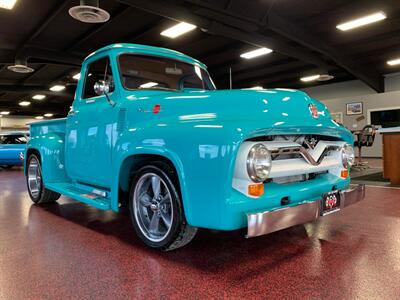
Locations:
(15, 123)
(336, 95)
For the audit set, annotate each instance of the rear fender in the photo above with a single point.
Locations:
(51, 148)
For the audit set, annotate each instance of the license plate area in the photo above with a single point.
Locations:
(330, 203)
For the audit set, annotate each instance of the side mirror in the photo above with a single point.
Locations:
(102, 87)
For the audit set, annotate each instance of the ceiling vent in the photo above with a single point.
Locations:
(89, 12)
(325, 77)
(18, 68)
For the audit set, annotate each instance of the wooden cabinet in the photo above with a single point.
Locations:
(391, 156)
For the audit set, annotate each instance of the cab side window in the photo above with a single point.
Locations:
(97, 71)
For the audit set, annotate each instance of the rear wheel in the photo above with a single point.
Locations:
(156, 209)
(36, 189)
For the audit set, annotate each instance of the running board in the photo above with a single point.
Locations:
(93, 198)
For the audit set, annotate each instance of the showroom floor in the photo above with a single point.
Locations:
(70, 250)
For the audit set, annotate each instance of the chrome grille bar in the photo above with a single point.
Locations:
(304, 153)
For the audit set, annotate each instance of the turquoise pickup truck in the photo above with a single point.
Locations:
(149, 131)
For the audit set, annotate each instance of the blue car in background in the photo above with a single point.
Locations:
(12, 149)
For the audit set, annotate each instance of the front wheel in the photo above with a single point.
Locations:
(34, 181)
(156, 209)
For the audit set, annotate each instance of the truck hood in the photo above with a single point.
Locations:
(253, 111)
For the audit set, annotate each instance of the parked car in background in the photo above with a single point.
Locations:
(12, 148)
(149, 130)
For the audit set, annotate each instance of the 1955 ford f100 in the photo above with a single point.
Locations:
(148, 130)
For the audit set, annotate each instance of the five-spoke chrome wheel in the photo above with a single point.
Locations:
(34, 175)
(153, 209)
(34, 180)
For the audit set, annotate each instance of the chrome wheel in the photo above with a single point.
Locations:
(34, 177)
(152, 204)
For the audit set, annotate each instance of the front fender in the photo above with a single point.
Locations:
(203, 157)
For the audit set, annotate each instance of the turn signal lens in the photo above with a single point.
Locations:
(344, 173)
(256, 190)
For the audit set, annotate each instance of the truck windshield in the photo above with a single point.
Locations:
(150, 72)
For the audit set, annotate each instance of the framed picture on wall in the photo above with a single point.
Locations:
(355, 108)
(337, 117)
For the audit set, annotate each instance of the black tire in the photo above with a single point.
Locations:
(180, 232)
(42, 195)
(7, 167)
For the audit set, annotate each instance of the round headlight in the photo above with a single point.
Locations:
(259, 163)
(348, 157)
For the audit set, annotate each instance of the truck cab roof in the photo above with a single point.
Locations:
(120, 48)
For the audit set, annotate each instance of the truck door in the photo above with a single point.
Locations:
(90, 128)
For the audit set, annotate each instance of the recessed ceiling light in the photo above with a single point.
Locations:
(48, 115)
(57, 88)
(24, 103)
(38, 97)
(7, 4)
(257, 87)
(393, 62)
(310, 78)
(362, 21)
(39, 117)
(178, 30)
(256, 53)
(319, 77)
(148, 85)
(4, 113)
(77, 76)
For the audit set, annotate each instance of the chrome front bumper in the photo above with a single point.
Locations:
(270, 221)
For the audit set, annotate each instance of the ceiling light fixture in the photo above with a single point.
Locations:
(18, 68)
(257, 87)
(255, 53)
(39, 117)
(77, 76)
(148, 85)
(319, 77)
(362, 21)
(393, 62)
(7, 4)
(57, 88)
(310, 78)
(89, 12)
(4, 113)
(24, 103)
(38, 97)
(48, 115)
(178, 30)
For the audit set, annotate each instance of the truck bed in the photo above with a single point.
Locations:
(47, 126)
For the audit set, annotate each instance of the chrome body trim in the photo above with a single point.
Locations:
(270, 221)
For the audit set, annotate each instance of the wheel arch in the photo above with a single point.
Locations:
(29, 152)
(131, 164)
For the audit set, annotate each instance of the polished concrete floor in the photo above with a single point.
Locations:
(70, 250)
